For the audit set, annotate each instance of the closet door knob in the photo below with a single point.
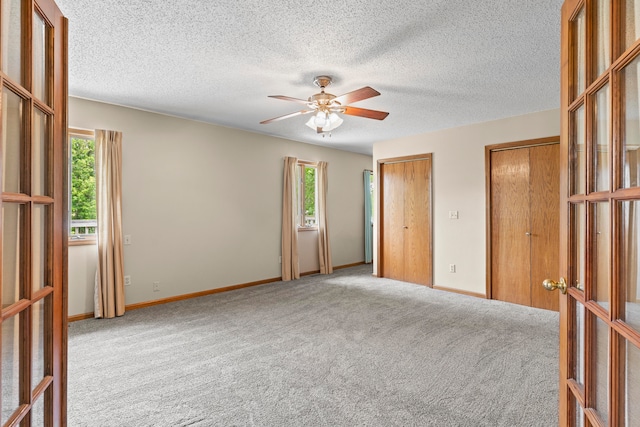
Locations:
(405, 227)
(527, 233)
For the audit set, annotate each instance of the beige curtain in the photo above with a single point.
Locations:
(324, 249)
(290, 267)
(109, 286)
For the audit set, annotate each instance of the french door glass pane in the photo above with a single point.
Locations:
(40, 49)
(631, 21)
(602, 370)
(38, 322)
(630, 259)
(40, 158)
(12, 141)
(40, 235)
(632, 384)
(578, 415)
(12, 39)
(12, 275)
(630, 162)
(37, 412)
(601, 149)
(603, 54)
(579, 54)
(578, 153)
(578, 248)
(40, 248)
(600, 254)
(10, 367)
(579, 344)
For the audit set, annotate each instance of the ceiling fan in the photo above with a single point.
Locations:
(325, 106)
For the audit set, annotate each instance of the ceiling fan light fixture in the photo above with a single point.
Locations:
(334, 121)
(324, 121)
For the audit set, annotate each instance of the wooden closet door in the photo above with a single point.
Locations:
(392, 200)
(405, 210)
(510, 226)
(417, 220)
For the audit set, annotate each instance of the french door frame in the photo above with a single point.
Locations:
(582, 309)
(40, 88)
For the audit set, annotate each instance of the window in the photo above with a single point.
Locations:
(307, 217)
(83, 219)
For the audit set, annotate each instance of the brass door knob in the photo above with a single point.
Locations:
(550, 285)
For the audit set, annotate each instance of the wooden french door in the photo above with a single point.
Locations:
(33, 230)
(600, 214)
(405, 218)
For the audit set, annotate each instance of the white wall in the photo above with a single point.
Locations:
(459, 184)
(203, 204)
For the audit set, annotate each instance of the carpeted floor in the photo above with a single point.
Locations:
(341, 350)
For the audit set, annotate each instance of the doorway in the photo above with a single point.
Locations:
(523, 220)
(405, 244)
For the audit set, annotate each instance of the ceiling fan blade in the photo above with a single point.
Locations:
(356, 95)
(288, 98)
(363, 112)
(286, 116)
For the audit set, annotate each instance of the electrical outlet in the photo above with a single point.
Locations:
(452, 268)
(453, 214)
(127, 280)
(156, 286)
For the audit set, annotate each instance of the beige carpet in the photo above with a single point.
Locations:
(340, 350)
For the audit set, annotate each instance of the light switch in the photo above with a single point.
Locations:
(127, 239)
(453, 214)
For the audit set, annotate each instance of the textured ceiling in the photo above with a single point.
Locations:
(438, 63)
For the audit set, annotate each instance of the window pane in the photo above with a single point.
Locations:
(601, 154)
(630, 259)
(578, 153)
(83, 186)
(578, 233)
(601, 251)
(11, 363)
(12, 275)
(40, 234)
(40, 49)
(602, 370)
(12, 39)
(631, 356)
(579, 55)
(602, 47)
(309, 197)
(12, 141)
(38, 322)
(578, 348)
(578, 415)
(37, 412)
(40, 154)
(631, 19)
(631, 124)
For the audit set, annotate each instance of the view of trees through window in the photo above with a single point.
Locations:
(83, 185)
(307, 201)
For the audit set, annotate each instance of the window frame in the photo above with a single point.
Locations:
(83, 239)
(301, 217)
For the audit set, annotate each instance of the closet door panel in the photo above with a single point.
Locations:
(417, 234)
(545, 222)
(393, 220)
(510, 226)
